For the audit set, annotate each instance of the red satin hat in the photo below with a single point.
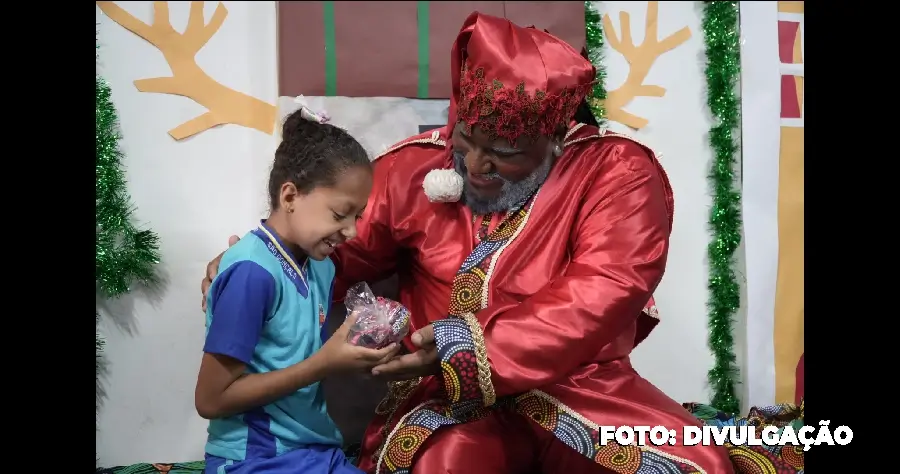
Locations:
(513, 81)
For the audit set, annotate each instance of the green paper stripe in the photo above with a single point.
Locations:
(424, 59)
(330, 53)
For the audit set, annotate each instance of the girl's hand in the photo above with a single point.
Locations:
(341, 356)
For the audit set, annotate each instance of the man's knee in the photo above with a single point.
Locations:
(492, 445)
(555, 456)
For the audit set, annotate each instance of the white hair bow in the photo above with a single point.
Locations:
(308, 113)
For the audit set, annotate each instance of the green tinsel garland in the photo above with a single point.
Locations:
(124, 254)
(594, 45)
(723, 59)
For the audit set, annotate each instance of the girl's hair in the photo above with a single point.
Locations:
(312, 154)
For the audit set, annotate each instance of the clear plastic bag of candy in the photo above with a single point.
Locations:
(379, 321)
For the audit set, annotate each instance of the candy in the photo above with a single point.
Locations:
(379, 321)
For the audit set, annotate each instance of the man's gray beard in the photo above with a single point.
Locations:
(511, 193)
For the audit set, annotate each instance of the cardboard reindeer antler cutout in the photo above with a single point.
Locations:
(223, 105)
(640, 58)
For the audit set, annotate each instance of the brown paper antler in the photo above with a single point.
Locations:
(224, 105)
(640, 58)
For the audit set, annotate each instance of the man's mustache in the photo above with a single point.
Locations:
(487, 176)
(490, 176)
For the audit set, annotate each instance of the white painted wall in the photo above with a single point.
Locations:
(761, 111)
(196, 193)
(675, 357)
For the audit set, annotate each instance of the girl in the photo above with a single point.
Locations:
(266, 350)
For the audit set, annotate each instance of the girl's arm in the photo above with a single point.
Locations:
(224, 389)
(242, 298)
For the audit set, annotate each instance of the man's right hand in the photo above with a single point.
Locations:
(212, 269)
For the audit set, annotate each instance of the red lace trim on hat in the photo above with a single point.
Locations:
(506, 112)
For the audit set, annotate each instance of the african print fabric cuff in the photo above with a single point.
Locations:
(464, 361)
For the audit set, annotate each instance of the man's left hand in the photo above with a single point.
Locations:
(416, 364)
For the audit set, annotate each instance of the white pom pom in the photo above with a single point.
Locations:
(443, 186)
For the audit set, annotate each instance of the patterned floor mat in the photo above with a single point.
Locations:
(195, 467)
(746, 459)
(759, 459)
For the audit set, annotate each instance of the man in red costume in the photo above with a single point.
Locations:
(527, 294)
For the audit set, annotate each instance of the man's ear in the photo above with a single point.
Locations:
(559, 136)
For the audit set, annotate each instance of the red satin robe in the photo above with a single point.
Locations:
(545, 325)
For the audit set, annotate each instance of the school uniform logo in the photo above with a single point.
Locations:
(321, 315)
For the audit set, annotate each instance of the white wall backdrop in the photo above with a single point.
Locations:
(196, 193)
(761, 110)
(764, 161)
(675, 357)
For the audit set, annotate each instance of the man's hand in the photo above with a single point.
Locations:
(212, 269)
(417, 364)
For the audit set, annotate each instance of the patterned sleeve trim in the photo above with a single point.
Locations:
(464, 361)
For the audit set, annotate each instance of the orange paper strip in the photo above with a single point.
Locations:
(640, 58)
(224, 105)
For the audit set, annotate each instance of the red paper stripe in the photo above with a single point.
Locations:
(790, 97)
(787, 34)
